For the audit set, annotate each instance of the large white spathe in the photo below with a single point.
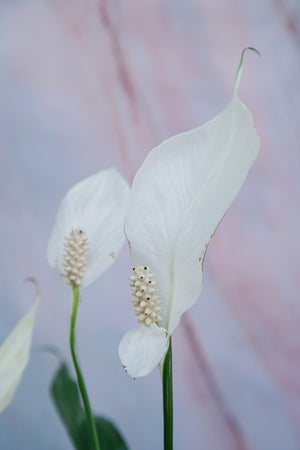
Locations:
(178, 198)
(14, 354)
(97, 205)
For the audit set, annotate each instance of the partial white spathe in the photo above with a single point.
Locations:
(14, 354)
(97, 205)
(142, 348)
(178, 198)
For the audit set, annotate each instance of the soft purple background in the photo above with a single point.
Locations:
(87, 84)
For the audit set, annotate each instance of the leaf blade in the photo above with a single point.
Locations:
(66, 398)
(14, 355)
(65, 395)
(109, 435)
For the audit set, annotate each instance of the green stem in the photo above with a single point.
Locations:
(82, 388)
(168, 399)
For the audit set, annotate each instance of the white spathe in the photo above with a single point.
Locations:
(97, 205)
(14, 354)
(178, 198)
(149, 342)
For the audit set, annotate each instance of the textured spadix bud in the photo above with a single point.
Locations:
(75, 257)
(146, 298)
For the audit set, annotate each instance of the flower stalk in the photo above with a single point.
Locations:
(168, 399)
(80, 379)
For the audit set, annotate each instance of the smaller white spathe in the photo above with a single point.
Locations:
(97, 205)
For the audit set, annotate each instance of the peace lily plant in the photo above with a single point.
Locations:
(178, 198)
(87, 236)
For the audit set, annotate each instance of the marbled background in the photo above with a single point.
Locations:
(87, 84)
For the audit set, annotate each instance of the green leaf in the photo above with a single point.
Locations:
(109, 436)
(66, 397)
(67, 401)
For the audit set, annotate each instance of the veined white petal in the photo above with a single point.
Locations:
(14, 354)
(179, 196)
(142, 348)
(97, 205)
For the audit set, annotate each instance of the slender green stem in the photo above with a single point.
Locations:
(168, 399)
(81, 384)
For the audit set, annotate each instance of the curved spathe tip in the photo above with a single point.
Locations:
(240, 68)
